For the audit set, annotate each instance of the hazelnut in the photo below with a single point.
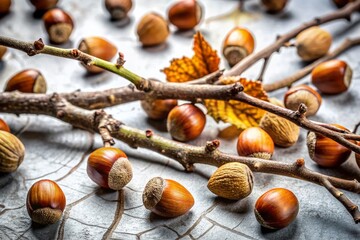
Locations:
(12, 152)
(45, 202)
(274, 6)
(3, 50)
(276, 208)
(357, 157)
(232, 181)
(255, 142)
(332, 77)
(4, 126)
(303, 94)
(152, 29)
(185, 14)
(43, 5)
(313, 43)
(110, 168)
(283, 132)
(167, 198)
(185, 122)
(27, 81)
(59, 25)
(97, 47)
(158, 109)
(325, 151)
(238, 44)
(5, 7)
(118, 9)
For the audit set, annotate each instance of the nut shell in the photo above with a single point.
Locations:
(43, 5)
(59, 25)
(313, 43)
(332, 77)
(3, 50)
(109, 168)
(232, 181)
(45, 202)
(274, 6)
(238, 44)
(12, 152)
(255, 142)
(158, 109)
(303, 94)
(152, 29)
(276, 208)
(97, 47)
(118, 9)
(5, 7)
(167, 198)
(186, 122)
(325, 151)
(27, 81)
(185, 14)
(4, 126)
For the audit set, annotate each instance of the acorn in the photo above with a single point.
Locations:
(110, 168)
(59, 25)
(5, 7)
(255, 142)
(27, 81)
(12, 152)
(118, 9)
(238, 44)
(283, 132)
(232, 181)
(313, 43)
(45, 202)
(276, 208)
(43, 5)
(158, 109)
(4, 126)
(97, 47)
(274, 6)
(332, 77)
(152, 30)
(303, 94)
(185, 14)
(186, 122)
(167, 198)
(325, 151)
(3, 50)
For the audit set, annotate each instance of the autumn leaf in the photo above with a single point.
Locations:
(240, 114)
(204, 62)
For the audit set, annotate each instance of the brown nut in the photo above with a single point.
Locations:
(274, 6)
(303, 94)
(313, 43)
(152, 29)
(158, 109)
(97, 47)
(59, 25)
(5, 7)
(332, 77)
(110, 168)
(3, 50)
(357, 157)
(232, 181)
(45, 202)
(27, 81)
(186, 122)
(167, 198)
(276, 208)
(255, 142)
(185, 14)
(118, 9)
(4, 126)
(238, 44)
(12, 152)
(43, 5)
(325, 151)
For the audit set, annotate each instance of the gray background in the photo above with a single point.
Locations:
(56, 151)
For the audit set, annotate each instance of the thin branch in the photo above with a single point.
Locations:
(343, 13)
(187, 155)
(352, 208)
(288, 81)
(263, 69)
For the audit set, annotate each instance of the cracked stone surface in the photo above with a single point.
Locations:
(56, 151)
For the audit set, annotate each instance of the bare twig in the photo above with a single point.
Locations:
(263, 69)
(288, 81)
